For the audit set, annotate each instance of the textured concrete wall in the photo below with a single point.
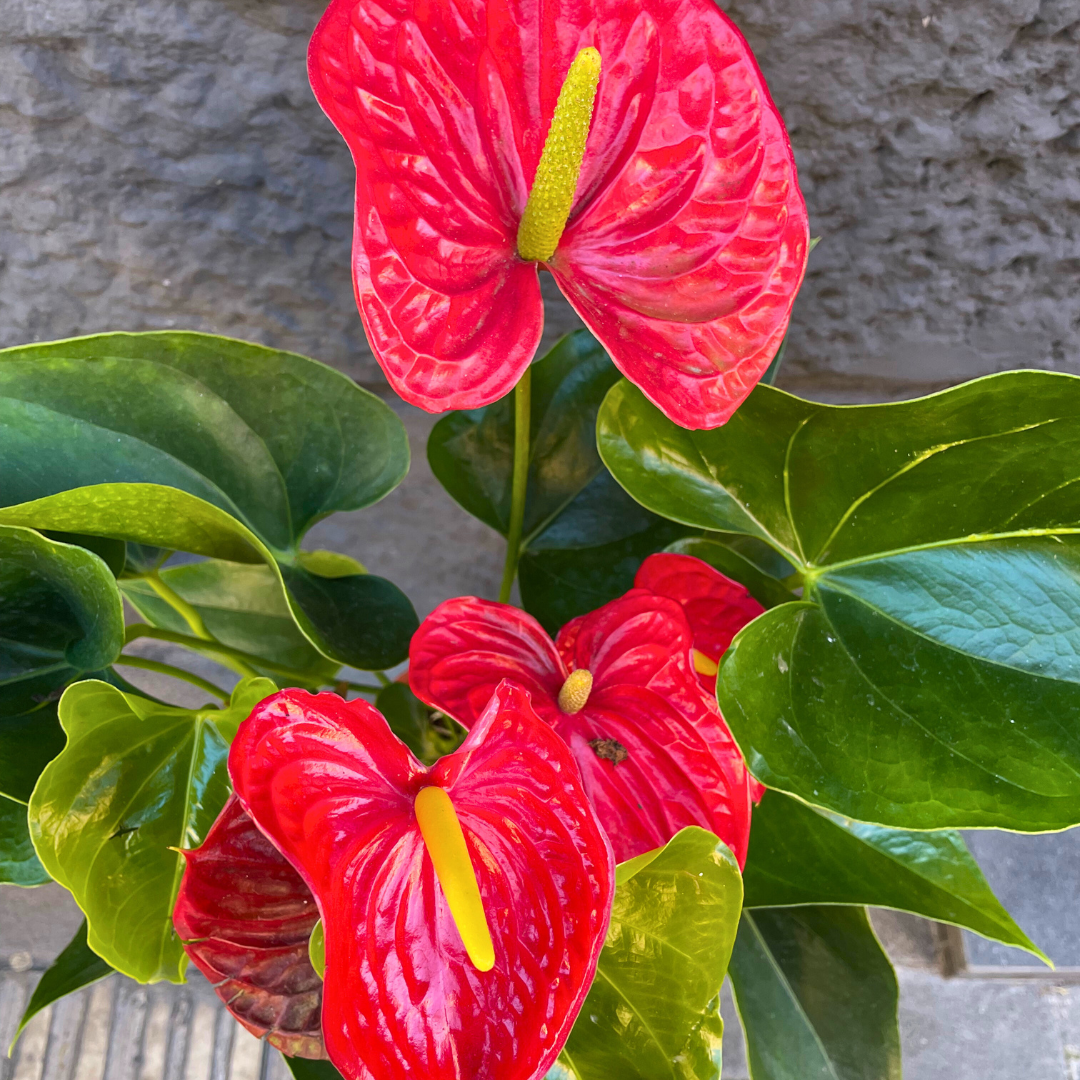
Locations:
(163, 163)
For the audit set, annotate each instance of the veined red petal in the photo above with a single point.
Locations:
(467, 646)
(334, 790)
(653, 751)
(451, 312)
(716, 607)
(245, 916)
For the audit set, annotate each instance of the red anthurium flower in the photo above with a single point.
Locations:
(716, 607)
(245, 917)
(628, 146)
(464, 905)
(617, 685)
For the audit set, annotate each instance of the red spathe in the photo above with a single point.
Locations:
(688, 237)
(333, 788)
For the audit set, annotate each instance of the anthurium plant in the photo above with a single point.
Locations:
(753, 660)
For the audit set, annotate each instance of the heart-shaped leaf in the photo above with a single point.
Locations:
(18, 863)
(583, 539)
(198, 443)
(28, 742)
(77, 966)
(799, 855)
(243, 606)
(923, 680)
(816, 995)
(136, 781)
(653, 1012)
(60, 617)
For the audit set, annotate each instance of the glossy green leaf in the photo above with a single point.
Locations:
(653, 1011)
(583, 537)
(19, 864)
(77, 966)
(816, 995)
(60, 617)
(427, 733)
(923, 680)
(28, 742)
(198, 443)
(306, 1069)
(136, 781)
(243, 606)
(800, 855)
(113, 553)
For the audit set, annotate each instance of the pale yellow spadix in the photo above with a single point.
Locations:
(552, 196)
(445, 842)
(574, 695)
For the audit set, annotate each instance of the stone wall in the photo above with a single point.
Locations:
(163, 163)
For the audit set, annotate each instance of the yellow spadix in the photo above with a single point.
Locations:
(445, 842)
(552, 196)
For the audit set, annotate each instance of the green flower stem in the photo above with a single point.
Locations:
(225, 654)
(126, 660)
(384, 679)
(522, 412)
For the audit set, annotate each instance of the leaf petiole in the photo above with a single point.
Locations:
(519, 483)
(127, 660)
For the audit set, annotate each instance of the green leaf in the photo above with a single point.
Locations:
(471, 453)
(18, 863)
(583, 537)
(136, 781)
(427, 734)
(816, 995)
(653, 1010)
(922, 681)
(28, 742)
(799, 855)
(306, 1069)
(77, 966)
(60, 617)
(197, 443)
(243, 606)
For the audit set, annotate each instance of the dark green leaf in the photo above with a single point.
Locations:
(77, 966)
(427, 734)
(924, 680)
(305, 1069)
(799, 855)
(28, 742)
(197, 443)
(653, 1010)
(590, 553)
(136, 781)
(471, 452)
(816, 995)
(111, 552)
(18, 863)
(60, 617)
(243, 606)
